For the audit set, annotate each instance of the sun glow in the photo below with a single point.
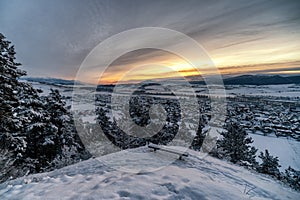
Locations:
(236, 60)
(150, 72)
(166, 65)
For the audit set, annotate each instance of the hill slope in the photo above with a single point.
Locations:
(192, 178)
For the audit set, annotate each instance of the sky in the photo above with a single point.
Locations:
(52, 38)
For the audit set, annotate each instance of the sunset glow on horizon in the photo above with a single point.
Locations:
(277, 54)
(173, 67)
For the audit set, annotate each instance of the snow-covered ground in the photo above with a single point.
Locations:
(193, 178)
(142, 174)
(285, 90)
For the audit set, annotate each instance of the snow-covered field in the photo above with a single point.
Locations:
(287, 90)
(287, 150)
(193, 178)
(66, 90)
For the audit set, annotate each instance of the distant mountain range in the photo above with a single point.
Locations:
(52, 81)
(257, 80)
(237, 80)
(262, 80)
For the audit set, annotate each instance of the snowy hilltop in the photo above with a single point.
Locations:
(195, 177)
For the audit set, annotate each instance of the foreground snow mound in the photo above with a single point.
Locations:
(194, 177)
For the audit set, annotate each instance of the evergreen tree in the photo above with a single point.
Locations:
(69, 147)
(9, 86)
(269, 164)
(235, 145)
(42, 134)
(198, 139)
(12, 145)
(292, 178)
(52, 137)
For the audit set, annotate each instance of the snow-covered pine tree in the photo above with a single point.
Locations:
(69, 146)
(11, 152)
(292, 178)
(50, 130)
(235, 145)
(270, 165)
(42, 136)
(12, 146)
(34, 130)
(10, 87)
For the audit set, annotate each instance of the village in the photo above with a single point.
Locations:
(261, 115)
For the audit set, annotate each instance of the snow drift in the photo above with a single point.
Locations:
(195, 177)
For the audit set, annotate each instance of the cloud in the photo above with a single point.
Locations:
(53, 37)
(261, 68)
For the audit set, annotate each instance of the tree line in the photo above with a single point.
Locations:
(37, 133)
